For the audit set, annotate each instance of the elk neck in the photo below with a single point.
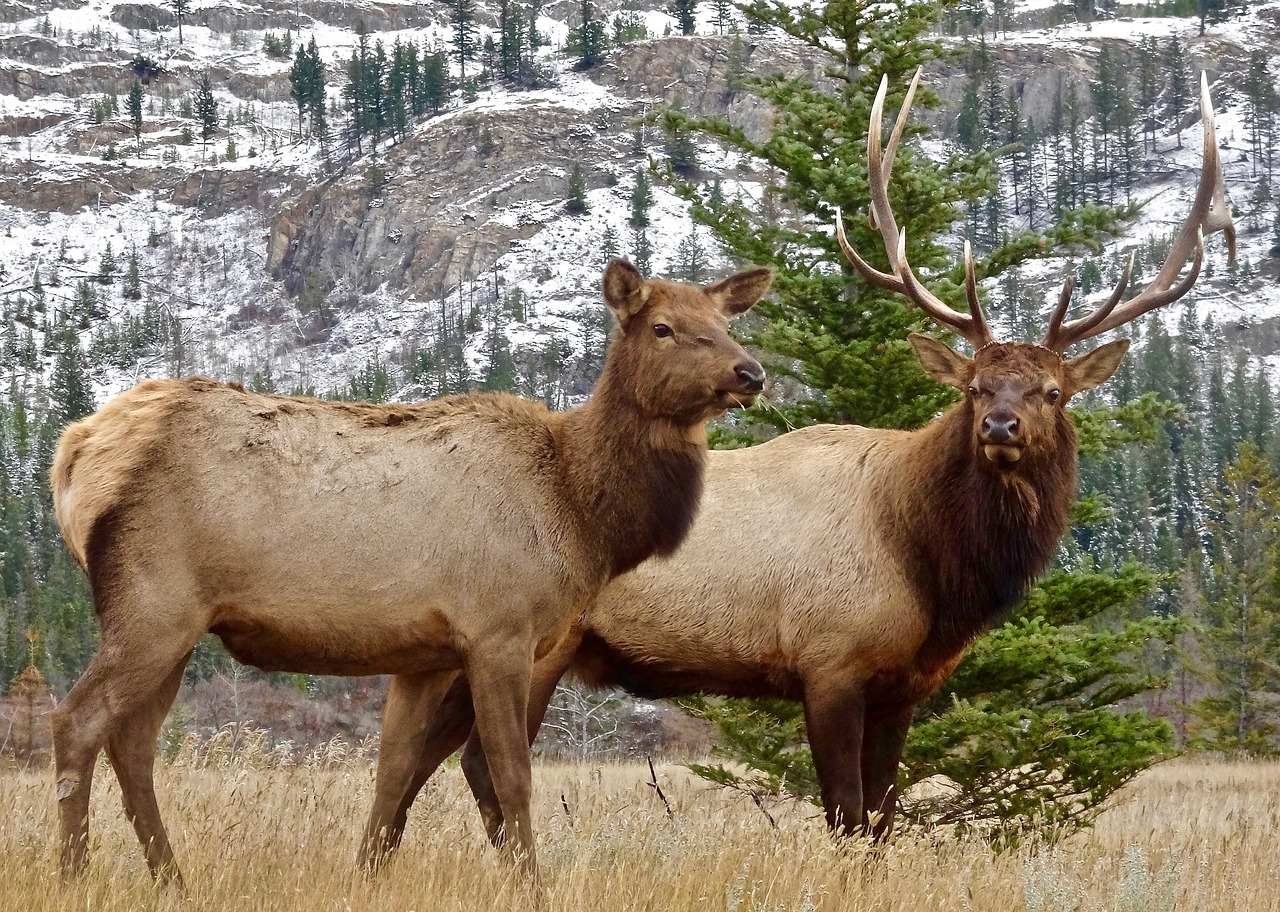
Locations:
(980, 537)
(636, 479)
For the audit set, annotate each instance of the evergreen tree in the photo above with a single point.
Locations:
(1179, 93)
(107, 265)
(306, 84)
(462, 14)
(691, 259)
(588, 39)
(180, 9)
(685, 13)
(722, 15)
(1242, 612)
(608, 245)
(1260, 112)
(134, 105)
(511, 45)
(641, 251)
(206, 107)
(845, 341)
(1148, 90)
(641, 200)
(132, 280)
(682, 151)
(576, 202)
(435, 82)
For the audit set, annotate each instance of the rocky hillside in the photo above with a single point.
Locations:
(270, 255)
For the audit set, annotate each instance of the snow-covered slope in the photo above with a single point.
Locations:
(461, 221)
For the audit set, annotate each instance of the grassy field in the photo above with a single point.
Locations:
(1191, 836)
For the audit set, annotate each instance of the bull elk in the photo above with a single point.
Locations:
(418, 540)
(849, 567)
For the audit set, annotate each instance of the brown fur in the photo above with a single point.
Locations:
(464, 534)
(842, 566)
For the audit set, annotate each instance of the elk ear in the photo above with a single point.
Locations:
(940, 362)
(1096, 367)
(736, 294)
(625, 290)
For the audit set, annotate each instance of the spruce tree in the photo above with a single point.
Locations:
(587, 39)
(134, 106)
(1179, 93)
(1241, 616)
(641, 200)
(462, 13)
(1060, 745)
(685, 13)
(576, 201)
(206, 108)
(180, 9)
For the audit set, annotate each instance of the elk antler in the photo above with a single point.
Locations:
(971, 326)
(1209, 213)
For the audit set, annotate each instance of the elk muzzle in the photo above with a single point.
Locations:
(1000, 437)
(751, 375)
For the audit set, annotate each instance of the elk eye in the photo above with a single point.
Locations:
(1053, 395)
(661, 330)
(973, 391)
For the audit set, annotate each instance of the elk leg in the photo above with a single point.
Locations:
(835, 721)
(132, 752)
(500, 682)
(882, 744)
(546, 676)
(452, 724)
(119, 683)
(412, 700)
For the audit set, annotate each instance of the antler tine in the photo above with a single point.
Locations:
(975, 303)
(1209, 213)
(1055, 339)
(902, 280)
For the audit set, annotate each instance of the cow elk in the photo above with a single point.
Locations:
(848, 567)
(420, 540)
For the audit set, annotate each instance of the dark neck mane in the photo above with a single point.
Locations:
(637, 480)
(979, 537)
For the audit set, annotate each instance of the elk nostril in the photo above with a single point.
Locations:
(751, 377)
(998, 430)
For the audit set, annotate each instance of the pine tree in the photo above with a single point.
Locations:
(641, 200)
(132, 280)
(685, 13)
(1148, 90)
(462, 14)
(608, 245)
(1242, 612)
(306, 84)
(107, 266)
(1261, 108)
(511, 44)
(1175, 63)
(641, 251)
(134, 105)
(206, 107)
(722, 15)
(844, 340)
(588, 39)
(691, 259)
(576, 202)
(180, 9)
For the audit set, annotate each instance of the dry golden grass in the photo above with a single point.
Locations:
(1190, 836)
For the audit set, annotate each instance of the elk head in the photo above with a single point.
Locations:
(674, 342)
(1016, 391)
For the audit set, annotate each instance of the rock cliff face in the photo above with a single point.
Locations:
(431, 213)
